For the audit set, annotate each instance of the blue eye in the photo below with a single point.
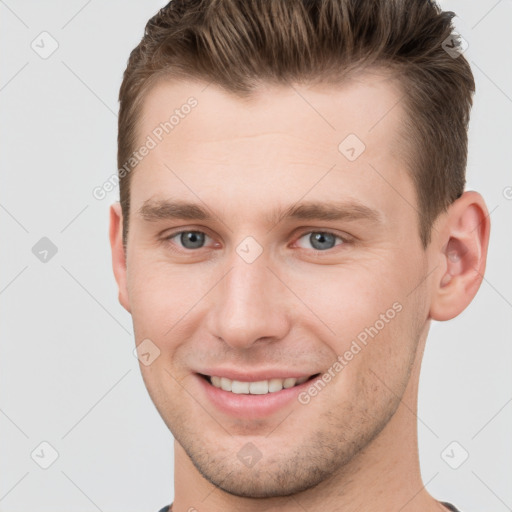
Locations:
(321, 240)
(190, 239)
(317, 240)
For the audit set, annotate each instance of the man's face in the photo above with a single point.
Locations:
(251, 294)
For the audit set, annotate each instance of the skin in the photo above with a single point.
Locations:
(354, 446)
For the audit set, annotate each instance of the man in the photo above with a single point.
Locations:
(292, 217)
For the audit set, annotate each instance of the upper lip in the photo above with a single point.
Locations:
(251, 375)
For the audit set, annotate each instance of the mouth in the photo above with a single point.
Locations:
(248, 395)
(259, 387)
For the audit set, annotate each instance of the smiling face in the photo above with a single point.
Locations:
(259, 250)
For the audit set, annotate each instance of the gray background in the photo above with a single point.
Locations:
(68, 374)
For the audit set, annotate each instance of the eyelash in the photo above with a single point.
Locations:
(344, 240)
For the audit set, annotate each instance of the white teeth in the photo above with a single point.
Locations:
(261, 387)
(289, 383)
(239, 387)
(225, 384)
(275, 385)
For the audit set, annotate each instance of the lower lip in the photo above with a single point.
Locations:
(251, 406)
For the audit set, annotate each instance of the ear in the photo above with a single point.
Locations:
(461, 252)
(118, 254)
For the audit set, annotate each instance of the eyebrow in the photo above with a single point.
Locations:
(154, 210)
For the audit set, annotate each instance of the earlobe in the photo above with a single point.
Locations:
(118, 253)
(463, 240)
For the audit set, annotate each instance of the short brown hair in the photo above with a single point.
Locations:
(238, 44)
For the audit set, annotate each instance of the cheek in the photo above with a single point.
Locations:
(161, 298)
(348, 298)
(365, 313)
(162, 294)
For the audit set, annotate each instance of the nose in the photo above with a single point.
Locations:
(250, 305)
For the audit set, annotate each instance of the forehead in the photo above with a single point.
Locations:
(368, 104)
(281, 138)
